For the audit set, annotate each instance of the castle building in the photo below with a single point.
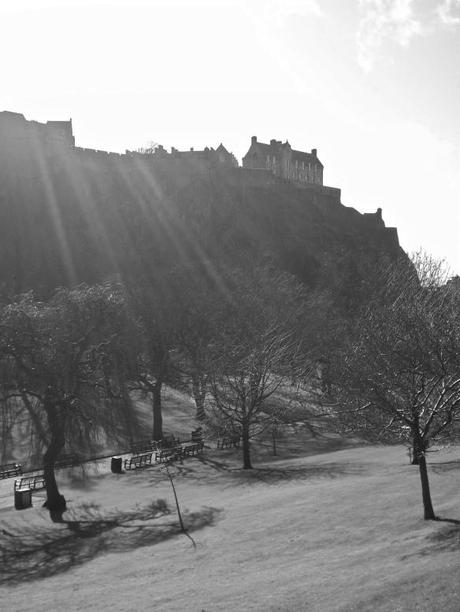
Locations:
(208, 156)
(284, 161)
(16, 131)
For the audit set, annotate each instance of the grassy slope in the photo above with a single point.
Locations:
(333, 531)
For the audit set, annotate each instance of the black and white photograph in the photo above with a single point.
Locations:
(230, 305)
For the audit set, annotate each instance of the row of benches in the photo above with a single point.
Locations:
(146, 446)
(147, 452)
(164, 455)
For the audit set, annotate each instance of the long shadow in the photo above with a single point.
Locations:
(445, 466)
(448, 520)
(37, 552)
(446, 539)
(220, 466)
(306, 472)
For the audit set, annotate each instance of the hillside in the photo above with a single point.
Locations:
(70, 215)
(339, 531)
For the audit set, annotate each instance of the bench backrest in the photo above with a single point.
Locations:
(10, 469)
(30, 482)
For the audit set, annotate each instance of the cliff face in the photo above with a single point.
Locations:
(69, 215)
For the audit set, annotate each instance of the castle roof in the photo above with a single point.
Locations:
(305, 157)
(276, 147)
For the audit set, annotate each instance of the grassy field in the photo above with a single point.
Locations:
(340, 530)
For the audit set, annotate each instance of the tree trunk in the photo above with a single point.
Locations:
(199, 395)
(157, 416)
(55, 502)
(416, 452)
(426, 495)
(246, 447)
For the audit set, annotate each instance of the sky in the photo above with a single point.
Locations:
(374, 85)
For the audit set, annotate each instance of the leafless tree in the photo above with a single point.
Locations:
(259, 347)
(56, 364)
(245, 377)
(399, 377)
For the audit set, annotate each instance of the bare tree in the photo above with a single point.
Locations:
(56, 362)
(245, 377)
(399, 378)
(153, 308)
(259, 347)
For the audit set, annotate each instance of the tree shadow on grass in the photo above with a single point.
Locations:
(446, 539)
(220, 466)
(305, 472)
(48, 549)
(445, 466)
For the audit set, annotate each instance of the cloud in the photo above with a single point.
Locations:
(449, 12)
(385, 21)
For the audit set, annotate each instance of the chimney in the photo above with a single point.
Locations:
(253, 140)
(313, 152)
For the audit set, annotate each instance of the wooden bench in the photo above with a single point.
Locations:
(143, 446)
(10, 469)
(138, 461)
(192, 449)
(228, 442)
(34, 483)
(197, 435)
(164, 455)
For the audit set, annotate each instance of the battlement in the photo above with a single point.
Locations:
(16, 131)
(276, 166)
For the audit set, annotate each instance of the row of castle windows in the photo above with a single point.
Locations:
(295, 170)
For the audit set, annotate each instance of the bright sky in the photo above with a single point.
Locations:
(374, 85)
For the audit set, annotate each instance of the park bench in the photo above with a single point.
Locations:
(146, 446)
(192, 449)
(34, 483)
(10, 469)
(197, 435)
(138, 461)
(143, 446)
(228, 442)
(164, 455)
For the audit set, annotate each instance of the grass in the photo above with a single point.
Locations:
(339, 530)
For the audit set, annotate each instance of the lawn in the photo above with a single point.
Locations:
(338, 530)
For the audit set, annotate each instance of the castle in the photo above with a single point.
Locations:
(71, 214)
(16, 132)
(18, 135)
(285, 162)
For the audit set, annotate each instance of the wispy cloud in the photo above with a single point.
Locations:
(399, 22)
(384, 21)
(449, 12)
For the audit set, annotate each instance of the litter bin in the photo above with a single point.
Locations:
(116, 465)
(22, 499)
